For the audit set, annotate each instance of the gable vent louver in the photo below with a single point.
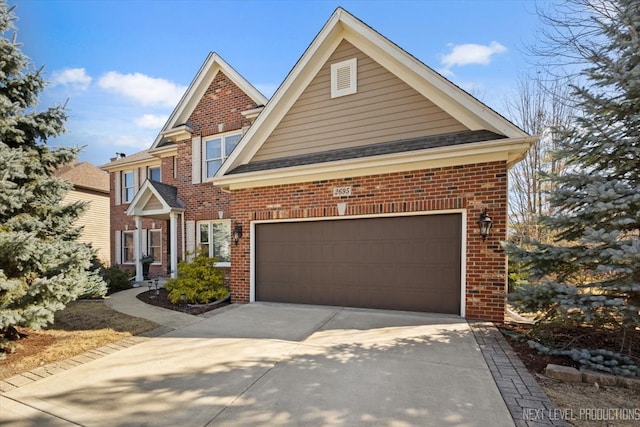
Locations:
(343, 78)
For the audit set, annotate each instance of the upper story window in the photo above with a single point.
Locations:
(154, 174)
(217, 149)
(128, 190)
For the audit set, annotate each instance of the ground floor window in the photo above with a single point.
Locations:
(128, 247)
(154, 243)
(214, 238)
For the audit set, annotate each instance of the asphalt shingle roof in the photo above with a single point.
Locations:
(169, 194)
(85, 175)
(422, 143)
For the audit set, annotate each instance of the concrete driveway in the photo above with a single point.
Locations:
(278, 365)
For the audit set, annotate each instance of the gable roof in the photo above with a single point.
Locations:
(166, 194)
(85, 176)
(343, 26)
(211, 66)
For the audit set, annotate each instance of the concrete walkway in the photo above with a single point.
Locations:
(127, 303)
(280, 364)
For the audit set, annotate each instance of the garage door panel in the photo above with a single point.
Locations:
(405, 263)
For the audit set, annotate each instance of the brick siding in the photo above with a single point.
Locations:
(221, 104)
(472, 187)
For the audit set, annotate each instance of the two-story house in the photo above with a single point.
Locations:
(163, 203)
(367, 180)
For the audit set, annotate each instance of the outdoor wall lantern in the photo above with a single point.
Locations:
(237, 233)
(485, 223)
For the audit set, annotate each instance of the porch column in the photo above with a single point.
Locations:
(137, 245)
(173, 224)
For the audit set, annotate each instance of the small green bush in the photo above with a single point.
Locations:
(200, 281)
(117, 279)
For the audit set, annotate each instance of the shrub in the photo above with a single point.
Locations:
(199, 280)
(95, 286)
(117, 279)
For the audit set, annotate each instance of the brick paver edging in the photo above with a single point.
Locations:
(527, 402)
(41, 372)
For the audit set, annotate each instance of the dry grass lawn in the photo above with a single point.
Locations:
(589, 406)
(81, 326)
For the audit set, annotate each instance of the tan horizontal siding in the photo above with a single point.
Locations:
(95, 221)
(384, 109)
(152, 204)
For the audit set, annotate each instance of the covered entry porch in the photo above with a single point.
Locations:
(157, 201)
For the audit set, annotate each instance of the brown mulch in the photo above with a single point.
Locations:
(562, 338)
(160, 298)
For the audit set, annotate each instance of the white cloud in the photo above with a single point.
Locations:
(75, 77)
(150, 121)
(128, 141)
(143, 89)
(470, 53)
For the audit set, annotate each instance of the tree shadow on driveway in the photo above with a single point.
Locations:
(402, 372)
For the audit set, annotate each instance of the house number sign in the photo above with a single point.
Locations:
(341, 191)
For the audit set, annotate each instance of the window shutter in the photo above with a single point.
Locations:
(203, 163)
(344, 78)
(144, 243)
(196, 160)
(118, 188)
(118, 245)
(191, 239)
(136, 179)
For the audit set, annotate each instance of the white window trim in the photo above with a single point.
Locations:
(154, 167)
(123, 248)
(210, 231)
(352, 67)
(124, 185)
(154, 230)
(223, 148)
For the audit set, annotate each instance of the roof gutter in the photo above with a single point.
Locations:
(511, 150)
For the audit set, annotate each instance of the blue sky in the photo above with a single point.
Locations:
(123, 64)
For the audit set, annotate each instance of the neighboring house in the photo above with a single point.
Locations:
(90, 185)
(360, 183)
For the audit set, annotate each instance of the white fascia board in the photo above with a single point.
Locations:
(188, 94)
(287, 94)
(133, 164)
(142, 197)
(200, 84)
(477, 152)
(166, 151)
(177, 133)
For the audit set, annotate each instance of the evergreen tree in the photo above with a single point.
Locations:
(591, 272)
(42, 266)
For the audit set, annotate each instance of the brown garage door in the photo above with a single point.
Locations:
(398, 263)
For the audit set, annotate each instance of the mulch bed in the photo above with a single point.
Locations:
(161, 299)
(562, 337)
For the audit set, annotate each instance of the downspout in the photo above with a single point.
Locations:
(183, 237)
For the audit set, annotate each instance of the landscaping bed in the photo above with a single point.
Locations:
(563, 338)
(584, 405)
(160, 298)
